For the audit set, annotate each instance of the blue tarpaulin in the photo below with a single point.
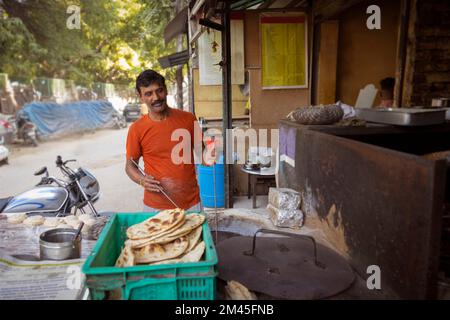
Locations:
(58, 119)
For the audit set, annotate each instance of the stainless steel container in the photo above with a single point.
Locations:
(403, 116)
(56, 244)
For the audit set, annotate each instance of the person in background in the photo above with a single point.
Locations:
(387, 93)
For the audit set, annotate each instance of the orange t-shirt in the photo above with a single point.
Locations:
(152, 141)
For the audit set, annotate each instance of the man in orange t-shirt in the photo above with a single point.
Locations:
(150, 137)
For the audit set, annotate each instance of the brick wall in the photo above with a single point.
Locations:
(427, 69)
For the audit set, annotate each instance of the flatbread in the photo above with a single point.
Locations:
(126, 258)
(192, 256)
(157, 252)
(86, 217)
(75, 221)
(34, 220)
(192, 235)
(143, 242)
(71, 220)
(191, 222)
(75, 226)
(89, 222)
(193, 238)
(17, 218)
(63, 226)
(52, 222)
(237, 291)
(160, 239)
(156, 225)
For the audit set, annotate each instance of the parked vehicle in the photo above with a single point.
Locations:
(4, 152)
(25, 130)
(132, 112)
(6, 129)
(56, 197)
(119, 121)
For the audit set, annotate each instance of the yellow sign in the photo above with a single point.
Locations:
(284, 51)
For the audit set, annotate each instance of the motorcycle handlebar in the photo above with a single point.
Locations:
(60, 162)
(62, 165)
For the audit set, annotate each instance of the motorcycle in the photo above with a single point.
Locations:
(119, 121)
(56, 197)
(27, 131)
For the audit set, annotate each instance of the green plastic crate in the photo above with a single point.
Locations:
(182, 281)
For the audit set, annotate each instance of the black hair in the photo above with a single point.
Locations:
(387, 84)
(148, 77)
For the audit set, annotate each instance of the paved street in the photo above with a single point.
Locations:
(102, 153)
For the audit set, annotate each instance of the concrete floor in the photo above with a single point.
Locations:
(245, 203)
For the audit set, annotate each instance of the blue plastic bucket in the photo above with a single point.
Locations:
(206, 184)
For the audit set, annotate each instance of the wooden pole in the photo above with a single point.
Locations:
(227, 111)
(401, 53)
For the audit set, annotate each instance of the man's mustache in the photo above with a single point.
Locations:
(157, 102)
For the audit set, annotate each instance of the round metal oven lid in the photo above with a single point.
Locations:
(284, 268)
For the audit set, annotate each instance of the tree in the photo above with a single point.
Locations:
(116, 41)
(20, 55)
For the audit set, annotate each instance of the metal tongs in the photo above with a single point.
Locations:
(160, 188)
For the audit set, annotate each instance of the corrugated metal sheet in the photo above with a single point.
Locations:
(175, 59)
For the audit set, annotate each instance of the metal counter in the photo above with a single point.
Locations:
(374, 197)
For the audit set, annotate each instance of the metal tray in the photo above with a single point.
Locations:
(403, 116)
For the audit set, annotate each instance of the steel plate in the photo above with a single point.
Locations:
(403, 116)
(284, 268)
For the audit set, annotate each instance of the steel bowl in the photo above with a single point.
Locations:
(252, 166)
(57, 244)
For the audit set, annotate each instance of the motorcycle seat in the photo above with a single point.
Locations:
(4, 202)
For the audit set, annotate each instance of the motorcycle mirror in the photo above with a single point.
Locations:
(59, 161)
(40, 171)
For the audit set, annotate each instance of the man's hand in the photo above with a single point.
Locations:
(150, 184)
(147, 182)
(209, 156)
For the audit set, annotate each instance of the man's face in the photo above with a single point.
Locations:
(155, 97)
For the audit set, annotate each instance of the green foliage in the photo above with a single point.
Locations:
(20, 55)
(117, 39)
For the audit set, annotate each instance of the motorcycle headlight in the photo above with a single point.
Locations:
(89, 183)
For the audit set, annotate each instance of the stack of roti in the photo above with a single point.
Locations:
(171, 236)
